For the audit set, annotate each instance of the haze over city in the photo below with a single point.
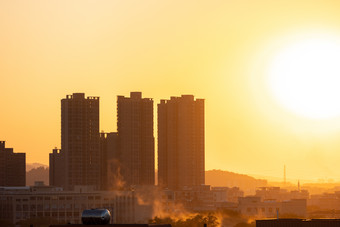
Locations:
(230, 53)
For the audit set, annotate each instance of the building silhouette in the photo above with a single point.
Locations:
(12, 167)
(296, 222)
(56, 168)
(80, 140)
(181, 142)
(136, 139)
(110, 171)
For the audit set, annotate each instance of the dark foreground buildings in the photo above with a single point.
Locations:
(116, 225)
(57, 206)
(12, 167)
(298, 223)
(181, 142)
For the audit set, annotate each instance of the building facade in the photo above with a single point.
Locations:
(58, 206)
(12, 167)
(181, 142)
(80, 142)
(226, 194)
(253, 206)
(136, 139)
(294, 222)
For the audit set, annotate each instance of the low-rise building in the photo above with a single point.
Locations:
(226, 194)
(279, 194)
(21, 203)
(298, 223)
(12, 167)
(254, 206)
(201, 198)
(325, 201)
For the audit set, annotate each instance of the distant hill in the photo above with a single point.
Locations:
(30, 166)
(220, 178)
(215, 178)
(41, 173)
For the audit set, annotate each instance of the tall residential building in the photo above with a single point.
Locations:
(110, 172)
(136, 139)
(181, 142)
(12, 167)
(80, 140)
(57, 168)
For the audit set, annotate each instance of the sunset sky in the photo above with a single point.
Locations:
(234, 54)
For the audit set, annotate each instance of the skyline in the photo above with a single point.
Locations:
(272, 178)
(219, 51)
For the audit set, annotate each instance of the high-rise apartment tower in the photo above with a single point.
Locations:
(80, 140)
(110, 169)
(136, 139)
(181, 142)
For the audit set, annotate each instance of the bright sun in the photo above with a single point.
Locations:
(305, 77)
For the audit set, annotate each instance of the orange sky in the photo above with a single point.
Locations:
(216, 50)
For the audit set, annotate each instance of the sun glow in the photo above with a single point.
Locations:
(305, 77)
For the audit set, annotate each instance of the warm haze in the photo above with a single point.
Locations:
(264, 108)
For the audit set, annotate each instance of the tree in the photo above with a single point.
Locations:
(197, 220)
(245, 224)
